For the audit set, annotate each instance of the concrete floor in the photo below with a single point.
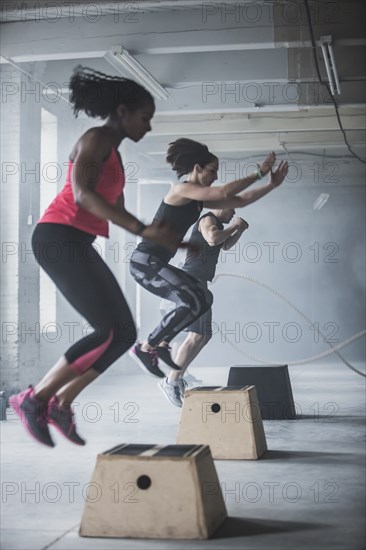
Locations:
(308, 491)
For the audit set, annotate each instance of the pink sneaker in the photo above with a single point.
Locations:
(63, 420)
(33, 414)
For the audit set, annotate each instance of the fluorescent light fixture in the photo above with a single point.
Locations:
(127, 65)
(320, 201)
(329, 60)
(55, 56)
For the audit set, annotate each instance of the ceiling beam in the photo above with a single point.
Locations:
(263, 142)
(301, 121)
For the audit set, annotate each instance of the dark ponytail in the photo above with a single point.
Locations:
(184, 153)
(98, 94)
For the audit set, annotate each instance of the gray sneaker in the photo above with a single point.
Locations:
(171, 392)
(182, 384)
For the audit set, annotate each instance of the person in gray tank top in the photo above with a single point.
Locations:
(209, 235)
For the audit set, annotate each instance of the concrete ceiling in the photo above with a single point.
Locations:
(240, 75)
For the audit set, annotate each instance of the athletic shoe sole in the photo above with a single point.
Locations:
(13, 402)
(55, 414)
(51, 423)
(167, 396)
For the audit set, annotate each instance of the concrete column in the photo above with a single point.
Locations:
(28, 270)
(10, 178)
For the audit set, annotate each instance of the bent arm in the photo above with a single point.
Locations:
(210, 232)
(92, 149)
(231, 241)
(235, 187)
(193, 191)
(243, 199)
(248, 197)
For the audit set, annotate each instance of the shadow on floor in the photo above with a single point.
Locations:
(332, 419)
(303, 456)
(240, 527)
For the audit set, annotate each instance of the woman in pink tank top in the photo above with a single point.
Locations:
(62, 244)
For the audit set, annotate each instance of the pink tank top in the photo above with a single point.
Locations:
(64, 210)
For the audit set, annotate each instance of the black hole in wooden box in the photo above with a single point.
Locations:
(143, 482)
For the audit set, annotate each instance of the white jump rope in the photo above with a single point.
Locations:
(333, 349)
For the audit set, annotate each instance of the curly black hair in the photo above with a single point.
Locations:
(98, 94)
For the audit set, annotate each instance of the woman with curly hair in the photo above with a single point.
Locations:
(62, 245)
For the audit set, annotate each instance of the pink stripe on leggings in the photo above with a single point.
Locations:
(84, 362)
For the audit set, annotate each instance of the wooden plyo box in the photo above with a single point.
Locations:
(152, 491)
(273, 386)
(228, 419)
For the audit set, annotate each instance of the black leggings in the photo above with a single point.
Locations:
(171, 283)
(69, 258)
